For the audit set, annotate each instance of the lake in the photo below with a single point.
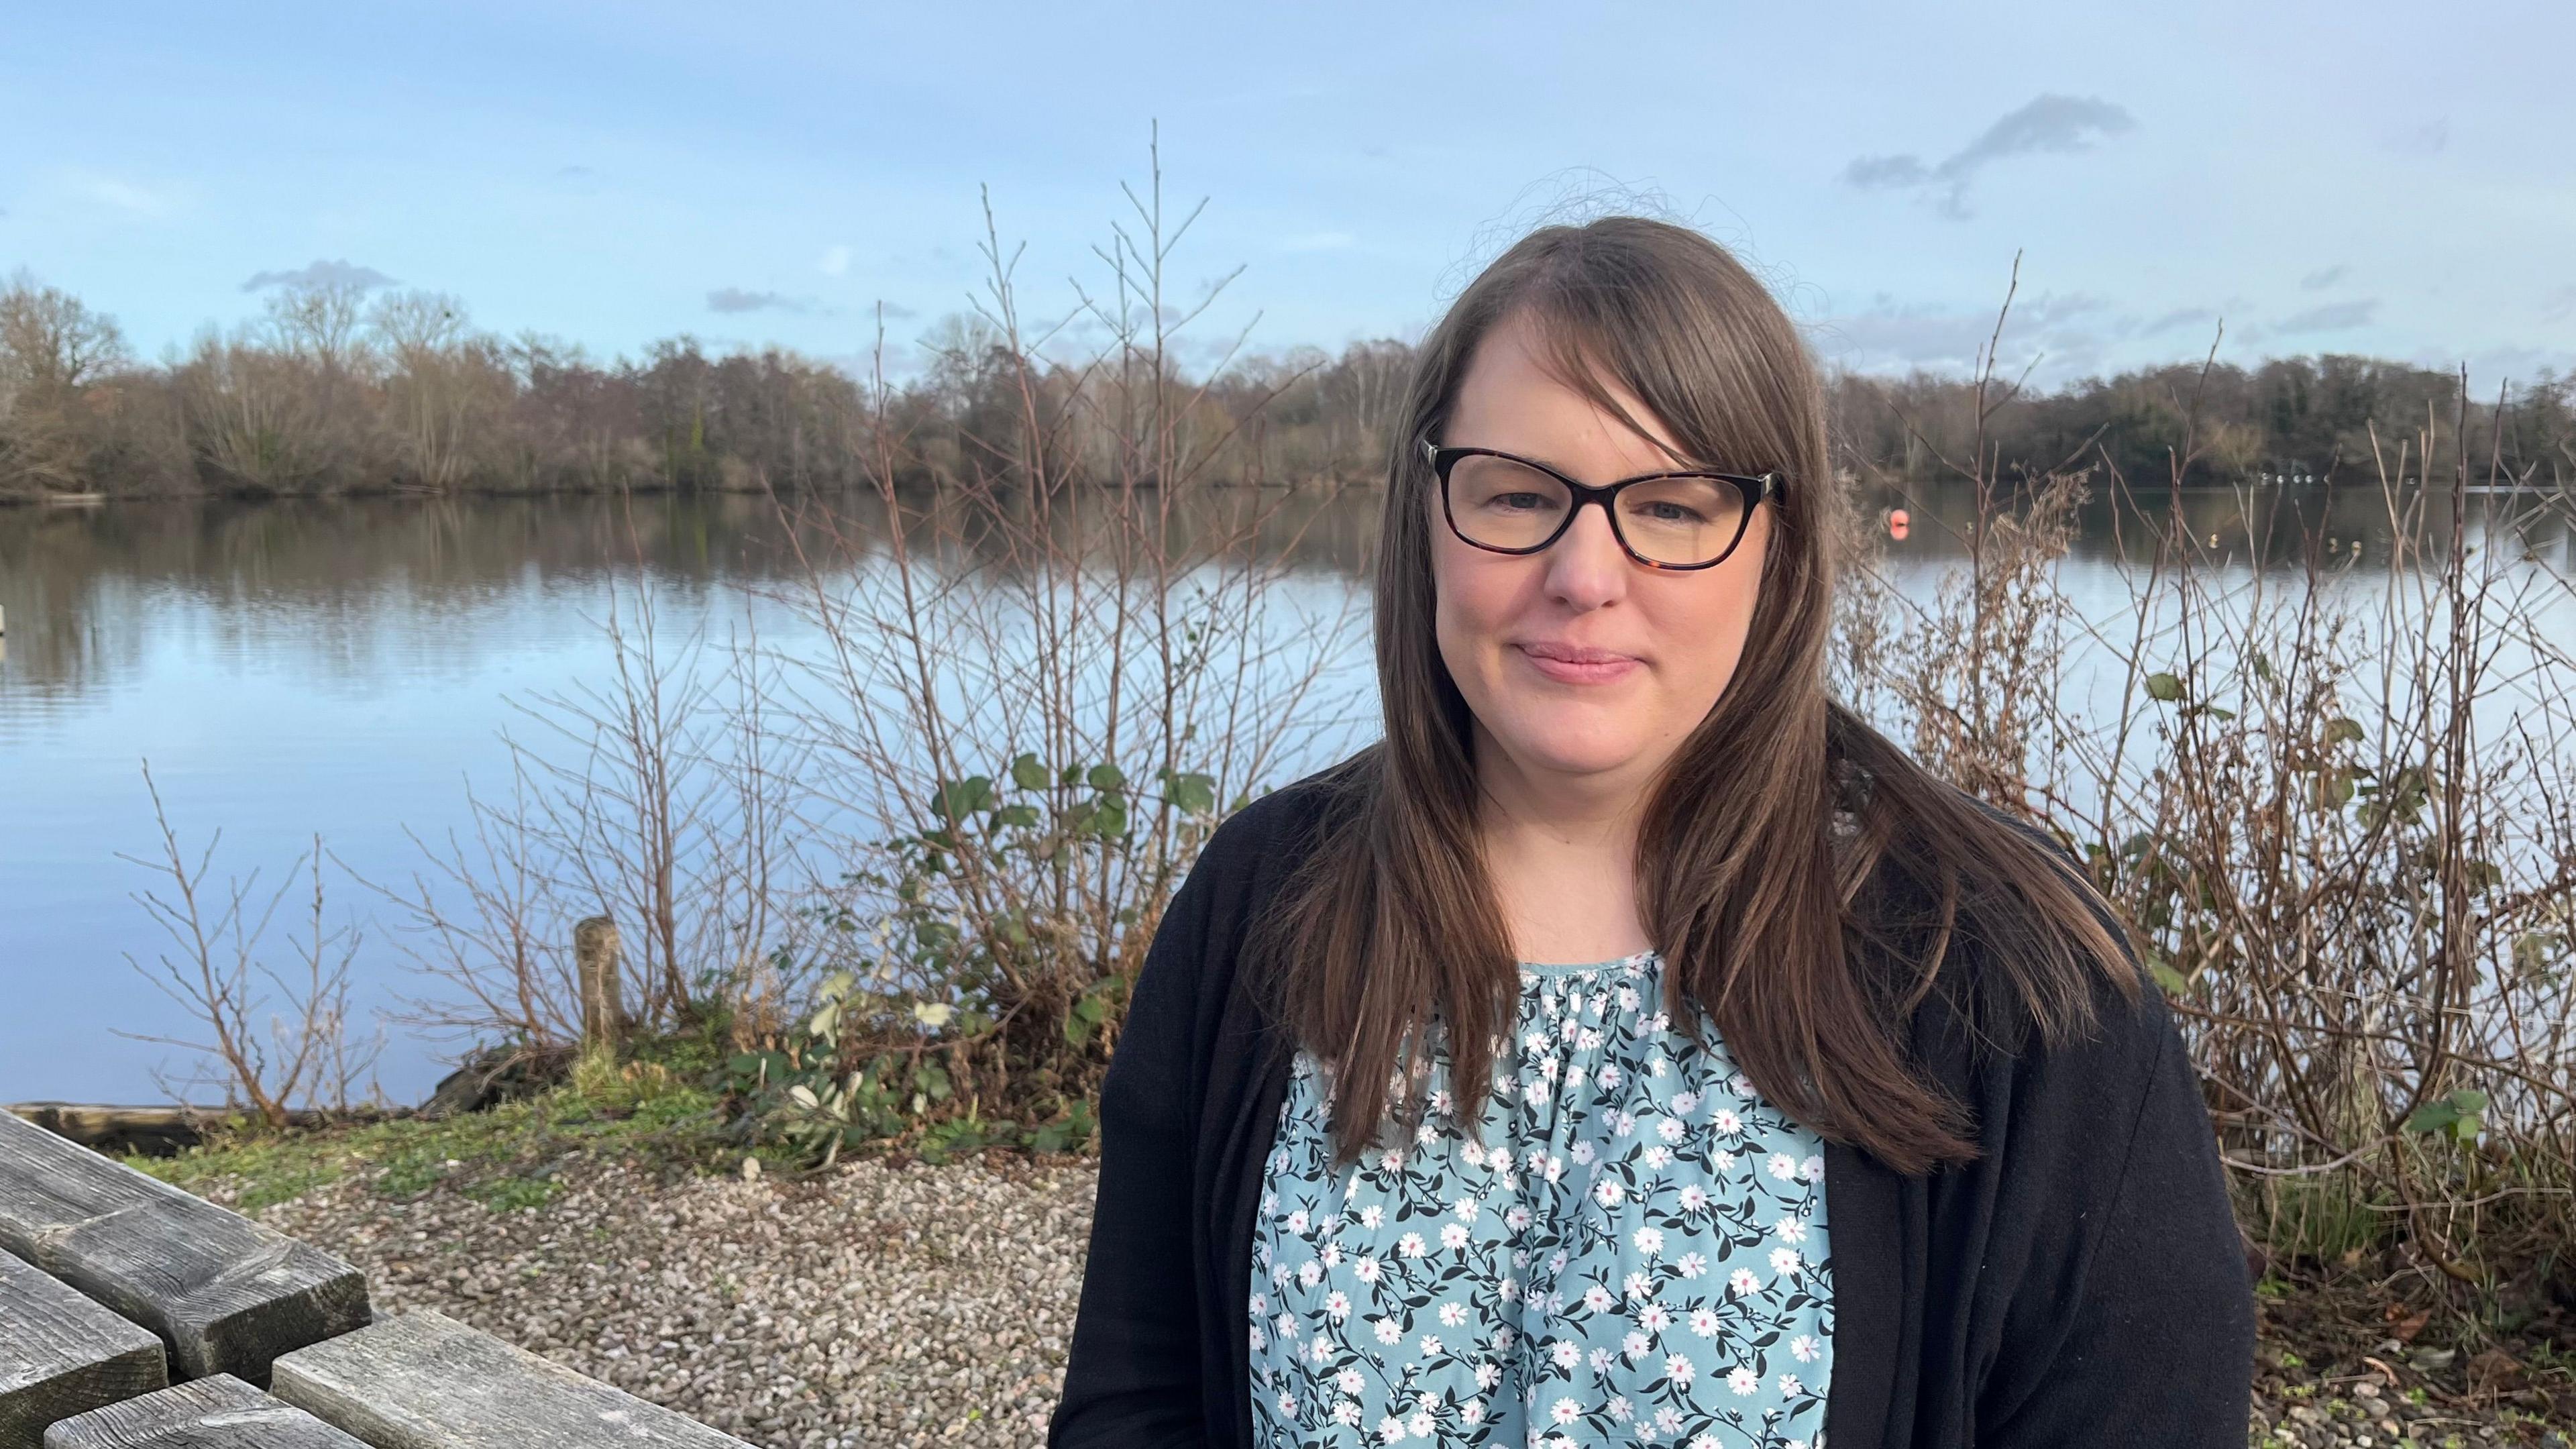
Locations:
(343, 668)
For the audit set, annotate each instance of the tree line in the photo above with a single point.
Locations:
(334, 389)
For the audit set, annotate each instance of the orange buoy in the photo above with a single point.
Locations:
(1899, 524)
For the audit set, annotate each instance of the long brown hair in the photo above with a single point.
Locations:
(1804, 880)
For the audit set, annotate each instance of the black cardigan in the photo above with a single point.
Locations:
(2081, 1282)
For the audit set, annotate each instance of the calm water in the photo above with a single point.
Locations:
(342, 669)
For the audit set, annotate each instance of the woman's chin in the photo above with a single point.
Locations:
(1569, 748)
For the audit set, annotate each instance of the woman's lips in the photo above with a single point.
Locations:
(1570, 665)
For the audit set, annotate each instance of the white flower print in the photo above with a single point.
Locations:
(1674, 1286)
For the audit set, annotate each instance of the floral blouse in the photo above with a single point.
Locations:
(1632, 1250)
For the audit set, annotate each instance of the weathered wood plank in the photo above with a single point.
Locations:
(61, 1355)
(225, 1294)
(214, 1413)
(425, 1381)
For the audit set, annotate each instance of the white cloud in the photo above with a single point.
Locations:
(320, 273)
(2051, 123)
(835, 262)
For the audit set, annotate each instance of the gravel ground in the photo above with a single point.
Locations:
(879, 1306)
(916, 1305)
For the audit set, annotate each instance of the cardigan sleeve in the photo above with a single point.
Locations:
(1132, 1375)
(2151, 1342)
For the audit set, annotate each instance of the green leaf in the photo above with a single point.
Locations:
(2341, 731)
(955, 800)
(2173, 982)
(2334, 789)
(1193, 794)
(2165, 687)
(1024, 817)
(1106, 777)
(1110, 820)
(2461, 1115)
(1028, 773)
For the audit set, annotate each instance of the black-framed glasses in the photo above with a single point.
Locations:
(1680, 520)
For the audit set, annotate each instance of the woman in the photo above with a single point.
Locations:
(1487, 1087)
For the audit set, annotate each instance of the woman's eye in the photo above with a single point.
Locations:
(1519, 502)
(1674, 513)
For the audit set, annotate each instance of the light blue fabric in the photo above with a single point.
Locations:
(1636, 1252)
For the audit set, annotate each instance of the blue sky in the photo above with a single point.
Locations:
(2349, 177)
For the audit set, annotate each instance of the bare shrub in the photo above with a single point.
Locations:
(1052, 656)
(273, 1062)
(659, 796)
(2335, 819)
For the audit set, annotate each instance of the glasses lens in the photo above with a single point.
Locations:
(1502, 504)
(1681, 520)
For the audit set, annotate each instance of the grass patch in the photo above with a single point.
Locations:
(506, 1158)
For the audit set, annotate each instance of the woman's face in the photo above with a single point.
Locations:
(1578, 661)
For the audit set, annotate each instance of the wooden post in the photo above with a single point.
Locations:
(594, 954)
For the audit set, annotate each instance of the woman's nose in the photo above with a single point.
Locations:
(1586, 567)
